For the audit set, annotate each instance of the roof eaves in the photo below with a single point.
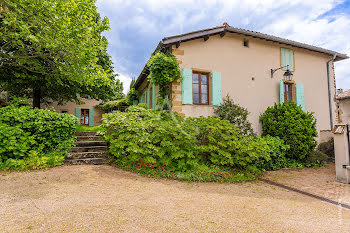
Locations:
(192, 35)
(216, 30)
(287, 42)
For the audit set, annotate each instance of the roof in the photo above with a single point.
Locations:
(343, 95)
(222, 30)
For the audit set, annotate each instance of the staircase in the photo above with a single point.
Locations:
(89, 149)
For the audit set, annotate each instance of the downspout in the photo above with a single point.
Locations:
(329, 93)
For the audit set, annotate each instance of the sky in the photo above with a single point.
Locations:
(137, 26)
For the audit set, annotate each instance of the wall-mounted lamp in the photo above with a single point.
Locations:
(287, 74)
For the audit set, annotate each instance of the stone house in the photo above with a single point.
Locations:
(249, 67)
(87, 112)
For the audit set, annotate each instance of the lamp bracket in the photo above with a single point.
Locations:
(274, 70)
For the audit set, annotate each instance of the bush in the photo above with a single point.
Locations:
(143, 105)
(294, 126)
(143, 134)
(115, 105)
(235, 114)
(317, 158)
(33, 138)
(328, 149)
(142, 139)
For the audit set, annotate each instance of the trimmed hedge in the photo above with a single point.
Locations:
(34, 138)
(294, 126)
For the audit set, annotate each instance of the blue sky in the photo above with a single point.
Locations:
(137, 26)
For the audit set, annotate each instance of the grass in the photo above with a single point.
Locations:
(85, 128)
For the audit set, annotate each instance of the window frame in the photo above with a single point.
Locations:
(293, 91)
(200, 87)
(88, 114)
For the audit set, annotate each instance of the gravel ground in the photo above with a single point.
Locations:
(320, 181)
(107, 199)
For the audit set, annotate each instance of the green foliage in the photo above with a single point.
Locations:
(143, 105)
(54, 50)
(33, 138)
(186, 145)
(327, 148)
(203, 174)
(85, 128)
(235, 114)
(164, 69)
(143, 134)
(294, 126)
(132, 95)
(317, 158)
(118, 105)
(122, 104)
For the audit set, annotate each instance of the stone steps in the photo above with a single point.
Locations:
(88, 138)
(89, 149)
(89, 143)
(86, 161)
(85, 155)
(85, 134)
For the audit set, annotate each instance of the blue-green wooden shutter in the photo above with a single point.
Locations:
(299, 91)
(187, 86)
(77, 114)
(148, 98)
(217, 93)
(91, 117)
(153, 97)
(281, 92)
(287, 58)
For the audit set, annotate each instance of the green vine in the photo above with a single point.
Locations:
(164, 69)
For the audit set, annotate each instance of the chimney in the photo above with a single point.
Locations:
(225, 24)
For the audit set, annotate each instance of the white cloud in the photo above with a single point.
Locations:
(126, 80)
(300, 20)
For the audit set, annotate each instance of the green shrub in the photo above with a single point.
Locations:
(164, 69)
(143, 105)
(317, 158)
(327, 148)
(221, 144)
(115, 105)
(235, 114)
(149, 138)
(33, 138)
(132, 95)
(294, 126)
(144, 134)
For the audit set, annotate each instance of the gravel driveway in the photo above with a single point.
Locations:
(107, 199)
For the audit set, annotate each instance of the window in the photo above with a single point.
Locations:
(64, 111)
(200, 88)
(84, 117)
(289, 92)
(287, 59)
(246, 43)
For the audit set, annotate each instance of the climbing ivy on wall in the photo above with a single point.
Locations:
(164, 69)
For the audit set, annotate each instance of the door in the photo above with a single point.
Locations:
(84, 117)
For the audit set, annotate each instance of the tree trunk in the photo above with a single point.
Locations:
(36, 97)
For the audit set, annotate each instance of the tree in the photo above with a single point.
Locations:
(53, 50)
